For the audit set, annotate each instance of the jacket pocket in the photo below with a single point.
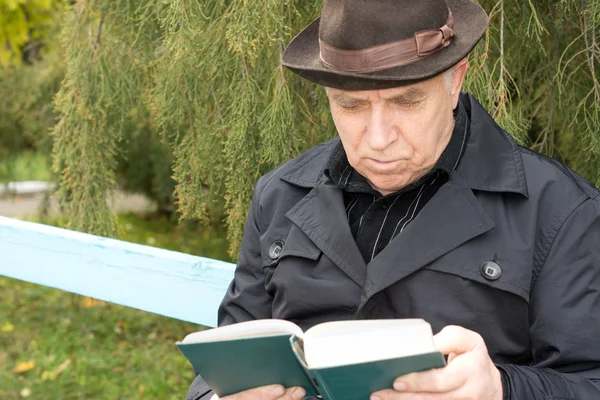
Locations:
(294, 243)
(285, 248)
(498, 271)
(306, 286)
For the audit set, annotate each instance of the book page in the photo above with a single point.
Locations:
(242, 330)
(352, 342)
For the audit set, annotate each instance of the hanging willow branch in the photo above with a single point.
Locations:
(204, 77)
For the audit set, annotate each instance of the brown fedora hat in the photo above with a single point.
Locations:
(378, 44)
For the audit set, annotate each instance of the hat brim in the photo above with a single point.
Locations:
(302, 55)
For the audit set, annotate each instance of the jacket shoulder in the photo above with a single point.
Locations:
(547, 174)
(282, 188)
(303, 171)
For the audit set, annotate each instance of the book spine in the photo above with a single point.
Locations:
(298, 350)
(321, 385)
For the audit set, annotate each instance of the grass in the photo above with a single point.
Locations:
(57, 345)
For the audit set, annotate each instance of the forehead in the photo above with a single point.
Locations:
(412, 92)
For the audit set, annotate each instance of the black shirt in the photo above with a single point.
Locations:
(376, 219)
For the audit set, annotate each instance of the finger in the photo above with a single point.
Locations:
(294, 393)
(390, 394)
(438, 380)
(456, 339)
(214, 397)
(451, 357)
(270, 392)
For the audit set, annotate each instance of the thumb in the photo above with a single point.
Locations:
(270, 392)
(456, 339)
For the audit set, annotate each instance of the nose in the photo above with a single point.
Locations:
(380, 131)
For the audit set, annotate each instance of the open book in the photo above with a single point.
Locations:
(342, 360)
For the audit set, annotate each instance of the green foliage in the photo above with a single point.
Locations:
(538, 74)
(204, 76)
(24, 24)
(31, 70)
(26, 166)
(26, 111)
(107, 74)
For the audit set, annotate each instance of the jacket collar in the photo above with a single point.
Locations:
(492, 160)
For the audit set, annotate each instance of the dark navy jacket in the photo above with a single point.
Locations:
(538, 221)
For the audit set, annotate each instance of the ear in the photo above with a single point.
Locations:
(458, 77)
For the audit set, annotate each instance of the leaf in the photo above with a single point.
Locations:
(8, 327)
(23, 367)
(52, 375)
(46, 376)
(88, 302)
(45, 4)
(12, 4)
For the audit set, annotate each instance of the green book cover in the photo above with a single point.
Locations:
(359, 381)
(232, 366)
(236, 358)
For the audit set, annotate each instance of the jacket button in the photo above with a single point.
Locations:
(491, 271)
(275, 250)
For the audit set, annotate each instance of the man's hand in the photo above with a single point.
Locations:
(470, 373)
(271, 392)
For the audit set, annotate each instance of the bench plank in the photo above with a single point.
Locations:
(160, 281)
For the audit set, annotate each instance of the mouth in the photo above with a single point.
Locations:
(382, 162)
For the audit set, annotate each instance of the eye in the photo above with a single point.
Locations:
(411, 104)
(349, 106)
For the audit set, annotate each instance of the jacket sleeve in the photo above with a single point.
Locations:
(246, 299)
(199, 390)
(564, 316)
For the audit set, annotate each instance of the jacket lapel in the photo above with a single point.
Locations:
(321, 216)
(452, 217)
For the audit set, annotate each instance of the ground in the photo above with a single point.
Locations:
(57, 345)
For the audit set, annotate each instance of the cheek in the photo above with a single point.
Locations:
(350, 131)
(421, 131)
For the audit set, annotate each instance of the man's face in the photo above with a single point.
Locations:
(394, 136)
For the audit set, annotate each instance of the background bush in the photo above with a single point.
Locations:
(187, 102)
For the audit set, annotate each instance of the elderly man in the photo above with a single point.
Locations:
(424, 208)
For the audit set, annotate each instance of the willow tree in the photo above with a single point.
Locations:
(31, 70)
(201, 82)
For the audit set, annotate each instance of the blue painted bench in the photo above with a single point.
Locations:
(164, 282)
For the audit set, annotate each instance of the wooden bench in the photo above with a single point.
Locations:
(160, 281)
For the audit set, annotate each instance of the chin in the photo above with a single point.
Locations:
(387, 187)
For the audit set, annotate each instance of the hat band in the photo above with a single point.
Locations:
(389, 55)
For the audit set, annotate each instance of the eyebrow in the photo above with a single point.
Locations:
(411, 95)
(347, 101)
